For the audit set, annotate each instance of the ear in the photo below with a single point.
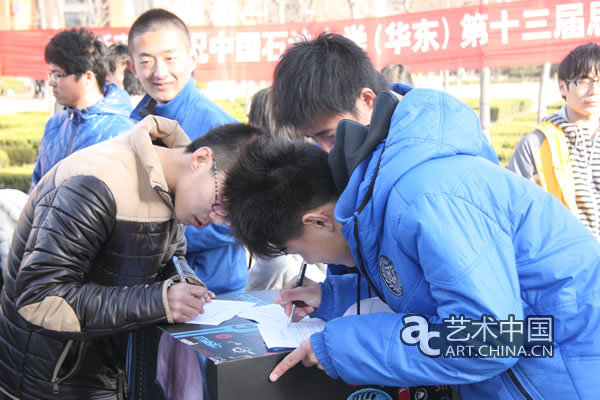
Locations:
(563, 87)
(90, 78)
(364, 105)
(202, 158)
(367, 96)
(131, 67)
(194, 57)
(318, 220)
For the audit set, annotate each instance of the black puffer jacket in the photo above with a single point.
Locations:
(90, 261)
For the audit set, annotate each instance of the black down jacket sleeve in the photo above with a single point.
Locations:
(70, 225)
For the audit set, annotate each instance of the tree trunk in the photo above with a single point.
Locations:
(542, 101)
(484, 101)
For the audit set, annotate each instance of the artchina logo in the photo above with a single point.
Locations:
(390, 276)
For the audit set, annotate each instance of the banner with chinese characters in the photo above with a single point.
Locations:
(494, 35)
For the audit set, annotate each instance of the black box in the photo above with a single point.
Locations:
(237, 364)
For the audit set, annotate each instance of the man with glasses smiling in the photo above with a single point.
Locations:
(562, 154)
(95, 109)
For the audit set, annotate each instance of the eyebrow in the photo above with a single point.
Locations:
(169, 51)
(321, 132)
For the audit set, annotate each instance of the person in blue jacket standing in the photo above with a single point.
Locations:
(163, 60)
(95, 110)
(492, 282)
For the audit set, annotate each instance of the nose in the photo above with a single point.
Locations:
(217, 219)
(52, 82)
(326, 145)
(160, 69)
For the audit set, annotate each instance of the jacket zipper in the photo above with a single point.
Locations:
(55, 379)
(72, 140)
(518, 384)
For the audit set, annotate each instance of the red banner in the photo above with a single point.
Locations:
(494, 35)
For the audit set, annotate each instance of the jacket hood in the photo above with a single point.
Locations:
(115, 101)
(424, 125)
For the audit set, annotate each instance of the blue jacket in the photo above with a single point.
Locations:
(214, 254)
(74, 129)
(439, 229)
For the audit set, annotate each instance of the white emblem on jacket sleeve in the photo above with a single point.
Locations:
(390, 276)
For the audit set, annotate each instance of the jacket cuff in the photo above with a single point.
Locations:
(317, 340)
(191, 279)
(168, 283)
(325, 309)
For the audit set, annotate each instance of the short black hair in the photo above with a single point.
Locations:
(132, 84)
(397, 73)
(117, 52)
(261, 115)
(153, 20)
(225, 141)
(78, 51)
(320, 78)
(580, 62)
(273, 183)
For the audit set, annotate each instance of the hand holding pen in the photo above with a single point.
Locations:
(306, 297)
(298, 284)
(178, 268)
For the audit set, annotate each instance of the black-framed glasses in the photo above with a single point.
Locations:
(217, 207)
(55, 75)
(585, 83)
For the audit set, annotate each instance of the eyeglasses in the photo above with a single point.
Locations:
(55, 75)
(217, 207)
(585, 83)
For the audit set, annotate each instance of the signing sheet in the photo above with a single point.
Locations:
(274, 329)
(218, 311)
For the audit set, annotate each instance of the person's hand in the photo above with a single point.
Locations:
(209, 296)
(304, 353)
(308, 297)
(187, 301)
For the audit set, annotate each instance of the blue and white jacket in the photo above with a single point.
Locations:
(438, 228)
(212, 251)
(75, 129)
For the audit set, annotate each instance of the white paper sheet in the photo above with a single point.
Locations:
(218, 311)
(277, 335)
(271, 313)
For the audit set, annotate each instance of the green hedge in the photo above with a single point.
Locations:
(16, 85)
(4, 159)
(16, 177)
(502, 108)
(236, 108)
(505, 134)
(20, 155)
(20, 136)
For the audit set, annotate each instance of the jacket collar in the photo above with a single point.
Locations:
(154, 130)
(115, 101)
(354, 141)
(174, 109)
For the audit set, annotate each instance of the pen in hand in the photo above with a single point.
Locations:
(298, 284)
(178, 269)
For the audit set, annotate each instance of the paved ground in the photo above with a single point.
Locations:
(11, 105)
